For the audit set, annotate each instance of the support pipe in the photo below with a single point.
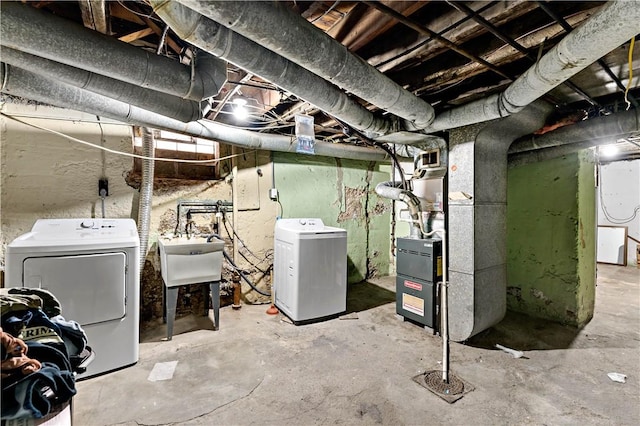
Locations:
(611, 26)
(214, 38)
(39, 33)
(19, 82)
(168, 105)
(275, 26)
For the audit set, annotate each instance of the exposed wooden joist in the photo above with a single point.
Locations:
(136, 35)
(168, 40)
(94, 15)
(117, 11)
(426, 48)
(374, 23)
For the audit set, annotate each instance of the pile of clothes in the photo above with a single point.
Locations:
(41, 353)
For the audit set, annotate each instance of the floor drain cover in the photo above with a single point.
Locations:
(452, 391)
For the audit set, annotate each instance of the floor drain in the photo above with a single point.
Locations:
(452, 391)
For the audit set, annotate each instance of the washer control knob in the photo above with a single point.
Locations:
(303, 222)
(86, 224)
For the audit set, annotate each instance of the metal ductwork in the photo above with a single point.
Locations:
(392, 191)
(274, 26)
(145, 201)
(25, 84)
(613, 25)
(171, 106)
(569, 139)
(478, 219)
(33, 31)
(214, 38)
(609, 126)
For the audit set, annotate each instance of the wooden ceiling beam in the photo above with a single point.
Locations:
(374, 23)
(118, 11)
(137, 35)
(94, 15)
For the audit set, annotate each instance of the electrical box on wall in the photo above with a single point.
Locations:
(273, 194)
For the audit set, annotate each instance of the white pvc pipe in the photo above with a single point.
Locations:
(444, 320)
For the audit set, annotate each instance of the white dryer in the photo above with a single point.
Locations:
(92, 267)
(310, 269)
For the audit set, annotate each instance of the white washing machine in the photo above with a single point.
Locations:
(310, 269)
(92, 267)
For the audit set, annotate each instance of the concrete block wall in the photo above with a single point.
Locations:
(551, 239)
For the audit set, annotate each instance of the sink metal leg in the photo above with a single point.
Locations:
(215, 302)
(171, 302)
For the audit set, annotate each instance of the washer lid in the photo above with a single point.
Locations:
(306, 226)
(70, 234)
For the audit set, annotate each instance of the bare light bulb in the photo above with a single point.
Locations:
(609, 150)
(239, 109)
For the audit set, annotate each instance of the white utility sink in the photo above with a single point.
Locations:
(190, 260)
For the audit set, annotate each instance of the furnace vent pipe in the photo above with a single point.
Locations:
(392, 191)
(39, 33)
(146, 194)
(25, 84)
(276, 27)
(614, 24)
(612, 126)
(214, 38)
(152, 100)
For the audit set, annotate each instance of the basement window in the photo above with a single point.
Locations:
(177, 146)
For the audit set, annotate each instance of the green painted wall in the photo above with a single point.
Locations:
(341, 193)
(551, 239)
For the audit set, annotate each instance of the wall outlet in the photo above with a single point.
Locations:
(103, 187)
(273, 194)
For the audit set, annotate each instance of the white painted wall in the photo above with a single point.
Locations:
(48, 176)
(620, 190)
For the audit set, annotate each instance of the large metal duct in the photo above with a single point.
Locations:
(609, 126)
(39, 33)
(478, 219)
(214, 38)
(603, 130)
(19, 82)
(275, 26)
(164, 104)
(606, 30)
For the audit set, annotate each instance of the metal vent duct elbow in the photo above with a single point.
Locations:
(606, 30)
(34, 31)
(276, 27)
(214, 38)
(392, 191)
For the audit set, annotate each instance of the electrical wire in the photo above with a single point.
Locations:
(113, 151)
(607, 215)
(626, 92)
(138, 13)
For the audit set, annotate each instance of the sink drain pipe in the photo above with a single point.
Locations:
(238, 270)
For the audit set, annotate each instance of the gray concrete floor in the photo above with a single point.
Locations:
(261, 369)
